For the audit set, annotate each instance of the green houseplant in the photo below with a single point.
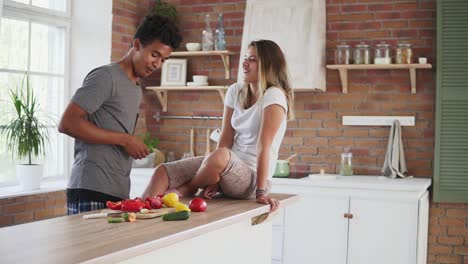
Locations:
(25, 135)
(165, 9)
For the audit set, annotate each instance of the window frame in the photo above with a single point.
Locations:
(27, 12)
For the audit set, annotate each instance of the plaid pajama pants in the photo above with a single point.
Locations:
(84, 206)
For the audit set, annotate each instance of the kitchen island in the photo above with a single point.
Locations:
(230, 231)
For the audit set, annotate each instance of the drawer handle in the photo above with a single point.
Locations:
(349, 216)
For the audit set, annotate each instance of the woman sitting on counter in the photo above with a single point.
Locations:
(254, 124)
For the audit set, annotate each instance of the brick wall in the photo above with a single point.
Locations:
(25, 209)
(317, 134)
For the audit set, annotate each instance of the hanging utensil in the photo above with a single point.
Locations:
(192, 153)
(207, 142)
(291, 157)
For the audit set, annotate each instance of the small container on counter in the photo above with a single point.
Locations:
(382, 54)
(342, 54)
(403, 53)
(362, 54)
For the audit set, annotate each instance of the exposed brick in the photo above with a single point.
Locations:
(450, 240)
(457, 212)
(44, 214)
(23, 218)
(438, 249)
(461, 250)
(6, 220)
(452, 221)
(33, 205)
(448, 259)
(13, 208)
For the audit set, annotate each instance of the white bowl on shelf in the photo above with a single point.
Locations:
(200, 78)
(192, 84)
(193, 46)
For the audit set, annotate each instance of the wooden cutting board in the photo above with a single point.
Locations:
(153, 213)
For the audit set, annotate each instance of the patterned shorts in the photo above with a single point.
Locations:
(84, 206)
(238, 180)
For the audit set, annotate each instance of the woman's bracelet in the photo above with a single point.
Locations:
(260, 192)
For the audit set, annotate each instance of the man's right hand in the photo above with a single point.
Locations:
(135, 147)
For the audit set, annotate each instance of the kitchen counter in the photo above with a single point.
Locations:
(71, 239)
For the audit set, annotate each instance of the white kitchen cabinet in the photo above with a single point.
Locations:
(353, 220)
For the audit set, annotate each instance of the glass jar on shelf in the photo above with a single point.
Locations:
(342, 54)
(382, 53)
(346, 165)
(362, 53)
(207, 35)
(403, 53)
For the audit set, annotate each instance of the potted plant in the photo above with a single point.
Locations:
(165, 9)
(155, 157)
(25, 135)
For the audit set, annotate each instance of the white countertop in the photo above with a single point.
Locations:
(142, 176)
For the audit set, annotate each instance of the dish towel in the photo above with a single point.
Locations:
(395, 164)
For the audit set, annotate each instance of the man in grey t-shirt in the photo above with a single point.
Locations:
(102, 116)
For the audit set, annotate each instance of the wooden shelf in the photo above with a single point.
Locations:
(343, 70)
(161, 91)
(223, 53)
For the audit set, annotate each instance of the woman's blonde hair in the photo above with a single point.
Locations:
(272, 71)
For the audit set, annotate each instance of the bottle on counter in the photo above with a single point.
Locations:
(403, 53)
(346, 165)
(220, 41)
(382, 54)
(362, 54)
(207, 35)
(342, 54)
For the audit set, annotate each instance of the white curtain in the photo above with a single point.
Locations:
(1, 13)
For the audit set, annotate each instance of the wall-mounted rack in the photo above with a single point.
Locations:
(223, 53)
(343, 70)
(161, 92)
(377, 120)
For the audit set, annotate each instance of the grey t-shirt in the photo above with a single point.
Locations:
(112, 102)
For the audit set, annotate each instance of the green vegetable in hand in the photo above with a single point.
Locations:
(150, 142)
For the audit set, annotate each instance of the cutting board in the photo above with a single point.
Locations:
(117, 213)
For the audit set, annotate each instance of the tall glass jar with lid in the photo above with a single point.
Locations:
(361, 53)
(342, 54)
(403, 53)
(382, 53)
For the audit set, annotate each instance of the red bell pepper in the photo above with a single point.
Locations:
(132, 205)
(114, 206)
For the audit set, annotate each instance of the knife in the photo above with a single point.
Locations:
(101, 215)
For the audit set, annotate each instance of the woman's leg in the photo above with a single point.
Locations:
(209, 172)
(171, 175)
(159, 183)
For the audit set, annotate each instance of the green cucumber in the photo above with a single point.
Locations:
(182, 215)
(113, 220)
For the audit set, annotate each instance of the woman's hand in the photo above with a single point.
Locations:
(209, 191)
(274, 204)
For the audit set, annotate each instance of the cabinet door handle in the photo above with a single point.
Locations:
(349, 216)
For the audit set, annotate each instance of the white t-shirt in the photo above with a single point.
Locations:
(247, 122)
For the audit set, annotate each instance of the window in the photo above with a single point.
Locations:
(34, 36)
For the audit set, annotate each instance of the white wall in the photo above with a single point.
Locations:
(91, 38)
(90, 45)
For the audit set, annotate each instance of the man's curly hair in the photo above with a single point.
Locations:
(156, 27)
